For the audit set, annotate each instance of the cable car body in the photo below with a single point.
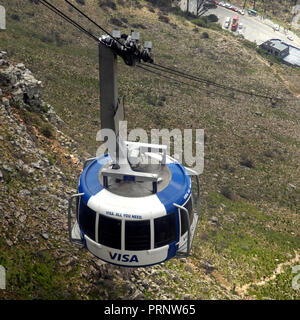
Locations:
(127, 224)
(135, 206)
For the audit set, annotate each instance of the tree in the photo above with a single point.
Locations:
(203, 5)
(199, 7)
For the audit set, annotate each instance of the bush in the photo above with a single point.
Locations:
(138, 26)
(160, 3)
(205, 35)
(207, 22)
(164, 19)
(212, 18)
(228, 193)
(247, 163)
(15, 17)
(47, 130)
(47, 38)
(82, 2)
(210, 5)
(117, 22)
(107, 3)
(200, 22)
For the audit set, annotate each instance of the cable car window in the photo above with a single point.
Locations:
(183, 217)
(109, 232)
(164, 230)
(137, 235)
(87, 218)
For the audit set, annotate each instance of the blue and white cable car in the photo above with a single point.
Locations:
(136, 213)
(129, 225)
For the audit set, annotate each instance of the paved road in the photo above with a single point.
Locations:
(254, 28)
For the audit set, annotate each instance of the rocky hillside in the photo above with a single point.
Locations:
(38, 167)
(248, 236)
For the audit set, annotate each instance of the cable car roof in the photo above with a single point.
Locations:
(125, 201)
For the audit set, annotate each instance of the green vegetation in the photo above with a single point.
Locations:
(251, 150)
(207, 22)
(36, 275)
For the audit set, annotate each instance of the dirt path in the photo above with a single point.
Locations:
(296, 19)
(242, 291)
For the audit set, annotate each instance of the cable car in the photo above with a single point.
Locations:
(130, 222)
(138, 208)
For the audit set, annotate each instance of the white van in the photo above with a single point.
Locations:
(227, 22)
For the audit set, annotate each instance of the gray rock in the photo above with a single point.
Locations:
(22, 219)
(207, 265)
(17, 214)
(27, 169)
(258, 113)
(137, 295)
(3, 55)
(12, 205)
(292, 186)
(37, 165)
(5, 101)
(24, 193)
(7, 168)
(45, 236)
(18, 96)
(21, 66)
(9, 243)
(214, 219)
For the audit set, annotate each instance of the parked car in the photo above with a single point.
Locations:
(217, 2)
(234, 9)
(221, 4)
(276, 27)
(290, 37)
(241, 11)
(227, 22)
(240, 28)
(228, 5)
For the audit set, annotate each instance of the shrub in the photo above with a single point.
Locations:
(116, 22)
(205, 35)
(47, 38)
(138, 26)
(82, 2)
(212, 18)
(164, 19)
(125, 20)
(107, 3)
(47, 130)
(205, 22)
(228, 193)
(15, 17)
(200, 22)
(160, 3)
(247, 163)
